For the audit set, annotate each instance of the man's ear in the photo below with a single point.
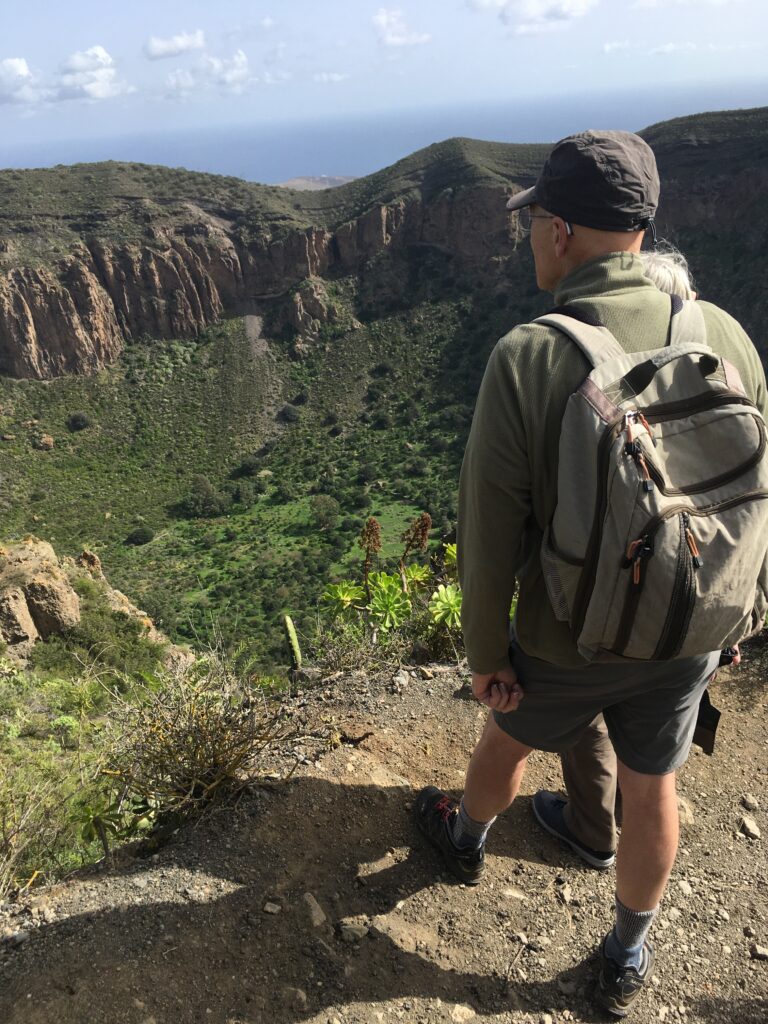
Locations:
(560, 236)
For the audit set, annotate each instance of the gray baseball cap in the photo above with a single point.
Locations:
(603, 180)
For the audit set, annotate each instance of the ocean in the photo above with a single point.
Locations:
(354, 146)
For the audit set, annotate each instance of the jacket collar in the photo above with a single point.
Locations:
(612, 272)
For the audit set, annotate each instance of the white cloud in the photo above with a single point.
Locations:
(615, 46)
(668, 49)
(268, 22)
(181, 81)
(392, 30)
(89, 74)
(537, 28)
(17, 82)
(229, 74)
(536, 10)
(225, 74)
(157, 49)
(531, 17)
(276, 77)
(329, 77)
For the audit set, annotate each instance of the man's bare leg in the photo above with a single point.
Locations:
(495, 772)
(649, 836)
(647, 850)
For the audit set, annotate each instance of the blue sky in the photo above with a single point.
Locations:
(89, 69)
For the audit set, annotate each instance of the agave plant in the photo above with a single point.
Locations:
(389, 607)
(343, 597)
(445, 605)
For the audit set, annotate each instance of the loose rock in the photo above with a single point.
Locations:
(317, 915)
(685, 810)
(566, 894)
(749, 827)
(749, 802)
(272, 908)
(758, 952)
(353, 931)
(462, 1013)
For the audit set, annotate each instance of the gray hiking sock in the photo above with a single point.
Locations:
(625, 942)
(468, 834)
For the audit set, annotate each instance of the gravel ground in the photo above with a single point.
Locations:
(314, 900)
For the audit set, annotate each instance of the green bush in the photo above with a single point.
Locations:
(141, 535)
(202, 502)
(289, 414)
(78, 421)
(249, 466)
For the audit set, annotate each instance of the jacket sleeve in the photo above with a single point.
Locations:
(494, 504)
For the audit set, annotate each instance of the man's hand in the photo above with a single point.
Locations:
(499, 691)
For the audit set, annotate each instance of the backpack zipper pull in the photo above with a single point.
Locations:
(690, 540)
(647, 426)
(637, 552)
(643, 467)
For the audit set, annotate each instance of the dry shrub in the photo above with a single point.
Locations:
(31, 831)
(195, 734)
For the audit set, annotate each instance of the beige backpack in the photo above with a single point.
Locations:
(657, 548)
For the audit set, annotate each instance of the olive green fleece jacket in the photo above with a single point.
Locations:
(508, 486)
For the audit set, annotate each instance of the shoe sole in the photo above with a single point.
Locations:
(601, 865)
(456, 872)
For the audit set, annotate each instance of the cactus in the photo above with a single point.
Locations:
(293, 643)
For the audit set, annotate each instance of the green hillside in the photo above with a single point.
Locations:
(191, 466)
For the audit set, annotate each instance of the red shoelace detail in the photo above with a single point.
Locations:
(445, 807)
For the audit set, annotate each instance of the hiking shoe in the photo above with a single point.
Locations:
(435, 812)
(548, 808)
(618, 987)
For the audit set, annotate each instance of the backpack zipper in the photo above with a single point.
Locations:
(709, 400)
(712, 483)
(683, 596)
(684, 589)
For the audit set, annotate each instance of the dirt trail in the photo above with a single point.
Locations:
(314, 901)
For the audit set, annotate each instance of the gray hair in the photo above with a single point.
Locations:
(669, 271)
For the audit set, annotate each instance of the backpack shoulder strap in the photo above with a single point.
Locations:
(595, 341)
(687, 324)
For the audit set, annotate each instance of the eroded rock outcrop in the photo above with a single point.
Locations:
(74, 316)
(38, 598)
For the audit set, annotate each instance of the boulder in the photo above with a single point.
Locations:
(52, 603)
(17, 628)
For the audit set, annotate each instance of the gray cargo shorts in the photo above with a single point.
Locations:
(650, 708)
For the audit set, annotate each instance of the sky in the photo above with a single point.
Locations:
(77, 78)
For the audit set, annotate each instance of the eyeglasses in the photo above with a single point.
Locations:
(526, 219)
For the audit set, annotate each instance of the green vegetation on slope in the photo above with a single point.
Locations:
(192, 468)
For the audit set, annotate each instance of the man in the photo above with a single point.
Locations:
(588, 212)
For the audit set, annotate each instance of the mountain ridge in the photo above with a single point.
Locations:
(92, 255)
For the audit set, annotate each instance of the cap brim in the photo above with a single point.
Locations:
(521, 199)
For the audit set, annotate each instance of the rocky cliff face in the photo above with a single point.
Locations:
(38, 599)
(74, 316)
(164, 253)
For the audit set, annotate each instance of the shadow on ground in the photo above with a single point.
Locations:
(190, 953)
